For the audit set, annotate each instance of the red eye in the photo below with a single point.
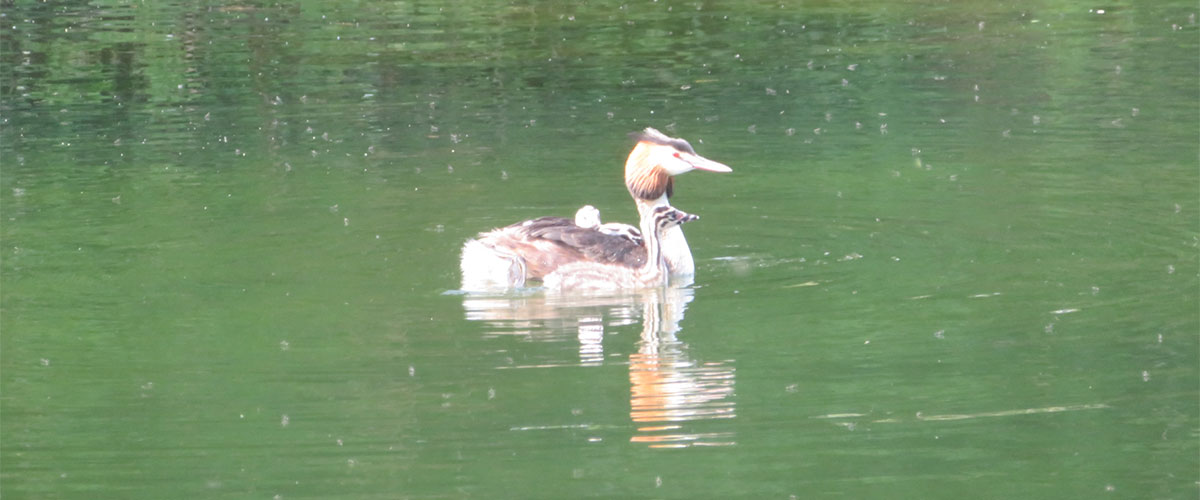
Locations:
(677, 155)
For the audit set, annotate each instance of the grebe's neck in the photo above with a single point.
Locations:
(654, 269)
(646, 206)
(672, 244)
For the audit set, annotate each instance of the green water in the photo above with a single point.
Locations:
(957, 256)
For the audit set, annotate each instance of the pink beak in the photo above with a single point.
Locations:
(701, 163)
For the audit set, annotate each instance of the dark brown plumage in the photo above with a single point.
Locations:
(575, 241)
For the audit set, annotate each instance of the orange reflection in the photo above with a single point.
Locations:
(670, 393)
(666, 385)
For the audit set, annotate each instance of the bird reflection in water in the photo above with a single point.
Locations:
(669, 388)
(670, 392)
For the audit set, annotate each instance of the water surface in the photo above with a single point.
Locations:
(957, 254)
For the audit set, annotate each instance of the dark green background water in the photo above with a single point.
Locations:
(957, 256)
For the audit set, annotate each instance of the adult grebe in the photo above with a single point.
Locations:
(595, 276)
(508, 256)
(648, 175)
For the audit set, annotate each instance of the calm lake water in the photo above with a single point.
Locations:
(957, 257)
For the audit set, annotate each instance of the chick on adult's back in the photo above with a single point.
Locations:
(529, 250)
(595, 276)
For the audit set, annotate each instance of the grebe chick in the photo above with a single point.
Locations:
(593, 276)
(589, 217)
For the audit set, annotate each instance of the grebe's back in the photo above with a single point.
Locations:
(592, 275)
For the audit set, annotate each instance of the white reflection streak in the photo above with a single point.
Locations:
(1009, 413)
(591, 341)
(965, 416)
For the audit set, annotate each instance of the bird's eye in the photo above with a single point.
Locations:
(677, 155)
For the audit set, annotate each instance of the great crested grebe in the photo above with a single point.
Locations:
(506, 257)
(595, 276)
(651, 187)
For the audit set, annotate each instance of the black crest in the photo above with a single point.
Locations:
(655, 137)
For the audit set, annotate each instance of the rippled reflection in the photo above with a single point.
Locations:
(668, 388)
(557, 318)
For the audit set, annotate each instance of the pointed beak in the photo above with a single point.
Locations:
(701, 163)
